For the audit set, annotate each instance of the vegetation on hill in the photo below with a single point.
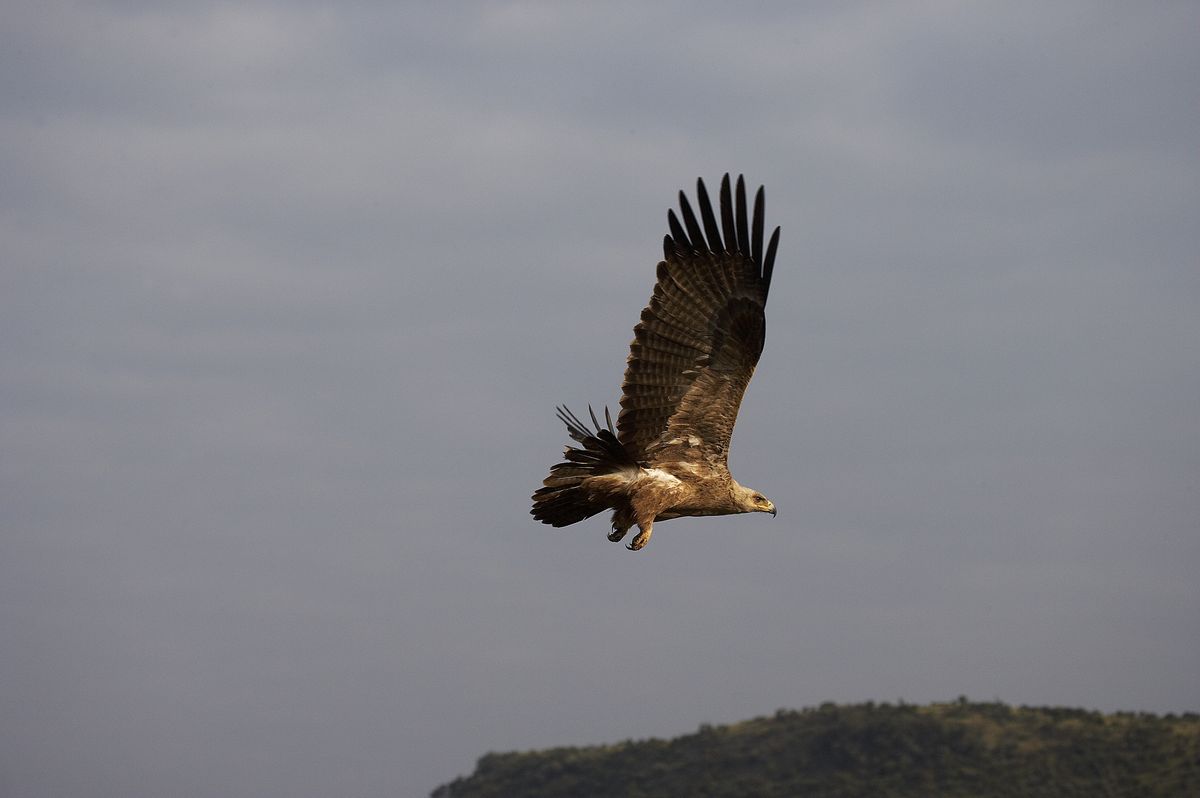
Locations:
(954, 749)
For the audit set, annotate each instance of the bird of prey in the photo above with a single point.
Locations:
(692, 355)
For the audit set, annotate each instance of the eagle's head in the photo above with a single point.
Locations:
(751, 501)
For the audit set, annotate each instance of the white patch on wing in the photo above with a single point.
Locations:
(658, 475)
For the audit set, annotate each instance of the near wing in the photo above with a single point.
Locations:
(698, 340)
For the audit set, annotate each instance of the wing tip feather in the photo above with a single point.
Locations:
(677, 231)
(743, 227)
(768, 266)
(711, 230)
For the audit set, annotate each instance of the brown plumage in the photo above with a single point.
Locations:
(692, 356)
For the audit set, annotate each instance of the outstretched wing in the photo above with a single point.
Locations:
(698, 340)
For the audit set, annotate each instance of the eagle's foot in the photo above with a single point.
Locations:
(640, 539)
(617, 533)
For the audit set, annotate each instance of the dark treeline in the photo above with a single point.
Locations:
(897, 750)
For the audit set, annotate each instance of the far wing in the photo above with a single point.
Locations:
(699, 339)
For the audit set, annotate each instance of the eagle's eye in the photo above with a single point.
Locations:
(760, 499)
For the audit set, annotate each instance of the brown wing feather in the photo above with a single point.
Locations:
(698, 340)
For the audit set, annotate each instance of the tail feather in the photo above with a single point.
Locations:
(562, 500)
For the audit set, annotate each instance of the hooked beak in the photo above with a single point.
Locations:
(772, 511)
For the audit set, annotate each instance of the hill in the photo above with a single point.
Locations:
(954, 749)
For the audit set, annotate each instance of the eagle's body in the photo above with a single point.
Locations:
(692, 356)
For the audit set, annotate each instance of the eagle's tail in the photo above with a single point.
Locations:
(563, 500)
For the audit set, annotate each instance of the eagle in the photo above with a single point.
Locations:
(692, 356)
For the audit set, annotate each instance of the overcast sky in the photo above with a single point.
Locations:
(289, 291)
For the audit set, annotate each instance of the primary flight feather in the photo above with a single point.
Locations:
(692, 356)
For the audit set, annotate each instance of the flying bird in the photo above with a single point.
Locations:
(692, 356)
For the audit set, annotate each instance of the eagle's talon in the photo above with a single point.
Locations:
(640, 539)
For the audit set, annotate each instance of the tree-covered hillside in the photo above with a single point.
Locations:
(955, 749)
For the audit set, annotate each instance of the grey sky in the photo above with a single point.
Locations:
(289, 291)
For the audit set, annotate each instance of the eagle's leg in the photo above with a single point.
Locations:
(622, 519)
(642, 537)
(644, 508)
